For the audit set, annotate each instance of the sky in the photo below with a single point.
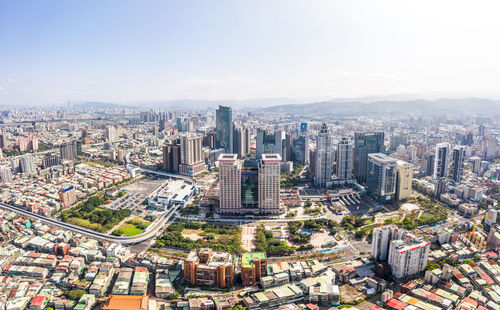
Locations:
(125, 51)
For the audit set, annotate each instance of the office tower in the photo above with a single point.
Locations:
(163, 124)
(110, 134)
(209, 140)
(408, 256)
(288, 147)
(476, 164)
(429, 164)
(441, 160)
(171, 157)
(382, 237)
(27, 164)
(269, 184)
(364, 144)
(205, 267)
(269, 142)
(404, 180)
(5, 174)
(241, 141)
(191, 159)
(224, 128)
(440, 187)
(3, 138)
(229, 184)
(324, 158)
(482, 130)
(79, 151)
(344, 160)
(156, 130)
(469, 138)
(457, 163)
(303, 128)
(68, 151)
(381, 179)
(51, 160)
(398, 140)
(249, 187)
(300, 150)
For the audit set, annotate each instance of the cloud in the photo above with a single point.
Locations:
(2, 88)
(13, 80)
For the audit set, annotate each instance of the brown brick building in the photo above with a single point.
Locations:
(208, 268)
(253, 267)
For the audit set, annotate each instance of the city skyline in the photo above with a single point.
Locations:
(98, 51)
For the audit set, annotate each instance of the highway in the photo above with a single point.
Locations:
(150, 232)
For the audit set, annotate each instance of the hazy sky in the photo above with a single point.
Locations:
(118, 51)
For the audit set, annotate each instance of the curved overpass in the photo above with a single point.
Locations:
(150, 232)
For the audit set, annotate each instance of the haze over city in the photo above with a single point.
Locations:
(126, 52)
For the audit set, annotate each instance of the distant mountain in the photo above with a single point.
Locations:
(357, 108)
(212, 104)
(98, 105)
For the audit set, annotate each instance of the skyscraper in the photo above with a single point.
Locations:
(171, 157)
(224, 128)
(381, 179)
(68, 150)
(191, 159)
(324, 158)
(441, 160)
(429, 164)
(5, 174)
(241, 141)
(344, 160)
(249, 187)
(229, 184)
(269, 142)
(440, 187)
(364, 144)
(457, 163)
(408, 256)
(50, 160)
(3, 138)
(382, 237)
(300, 150)
(269, 184)
(27, 164)
(404, 180)
(110, 133)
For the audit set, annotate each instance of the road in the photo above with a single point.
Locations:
(150, 232)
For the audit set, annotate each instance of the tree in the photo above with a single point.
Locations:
(74, 294)
(239, 307)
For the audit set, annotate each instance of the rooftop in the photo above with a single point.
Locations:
(247, 258)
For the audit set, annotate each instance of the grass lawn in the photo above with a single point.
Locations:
(130, 228)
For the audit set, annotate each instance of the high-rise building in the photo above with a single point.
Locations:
(68, 150)
(50, 160)
(5, 174)
(476, 164)
(229, 184)
(491, 217)
(171, 157)
(3, 138)
(300, 150)
(249, 187)
(268, 142)
(457, 163)
(382, 237)
(344, 160)
(224, 128)
(163, 124)
(482, 130)
(191, 160)
(408, 256)
(110, 133)
(241, 141)
(441, 160)
(429, 164)
(209, 140)
(68, 196)
(364, 144)
(269, 184)
(440, 187)
(404, 180)
(381, 179)
(324, 158)
(27, 164)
